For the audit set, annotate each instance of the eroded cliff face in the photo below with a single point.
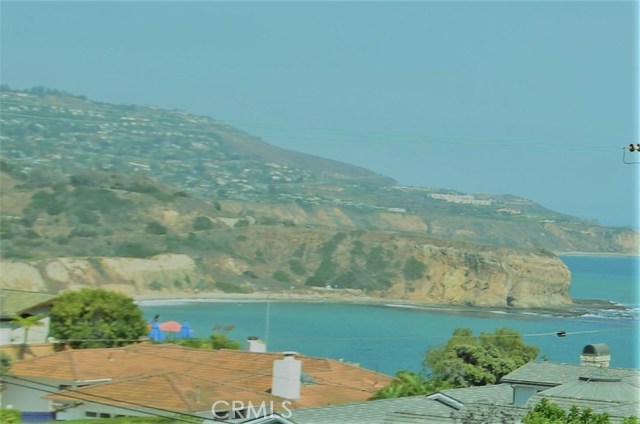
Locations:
(382, 265)
(129, 275)
(521, 280)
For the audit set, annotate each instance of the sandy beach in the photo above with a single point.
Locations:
(579, 307)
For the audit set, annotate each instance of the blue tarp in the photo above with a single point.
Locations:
(185, 332)
(156, 334)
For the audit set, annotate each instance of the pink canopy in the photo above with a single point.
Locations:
(171, 326)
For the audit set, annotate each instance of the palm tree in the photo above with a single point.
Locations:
(26, 323)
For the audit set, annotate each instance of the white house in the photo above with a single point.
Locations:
(17, 303)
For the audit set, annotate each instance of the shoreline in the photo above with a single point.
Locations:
(596, 254)
(577, 308)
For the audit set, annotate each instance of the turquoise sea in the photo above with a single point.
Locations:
(391, 337)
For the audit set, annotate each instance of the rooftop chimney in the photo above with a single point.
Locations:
(595, 355)
(256, 345)
(286, 376)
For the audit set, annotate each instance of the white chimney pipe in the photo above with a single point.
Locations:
(256, 345)
(286, 377)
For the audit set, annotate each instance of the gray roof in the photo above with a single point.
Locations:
(498, 393)
(370, 412)
(612, 390)
(550, 374)
(596, 389)
(432, 408)
(615, 391)
(618, 412)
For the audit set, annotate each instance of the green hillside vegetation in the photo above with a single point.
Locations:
(92, 180)
(76, 148)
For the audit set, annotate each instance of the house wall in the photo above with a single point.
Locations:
(27, 395)
(5, 333)
(97, 410)
(522, 393)
(37, 334)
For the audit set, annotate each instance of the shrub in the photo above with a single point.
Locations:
(9, 416)
(297, 266)
(281, 276)
(202, 223)
(413, 269)
(230, 287)
(155, 228)
(131, 249)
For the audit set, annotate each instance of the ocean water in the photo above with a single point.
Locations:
(388, 338)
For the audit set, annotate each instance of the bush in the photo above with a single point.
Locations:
(413, 269)
(202, 223)
(83, 231)
(375, 260)
(9, 416)
(297, 267)
(325, 274)
(131, 249)
(86, 216)
(281, 276)
(230, 287)
(155, 228)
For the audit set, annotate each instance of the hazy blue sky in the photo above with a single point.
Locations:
(528, 98)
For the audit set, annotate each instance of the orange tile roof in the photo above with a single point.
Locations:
(166, 391)
(146, 373)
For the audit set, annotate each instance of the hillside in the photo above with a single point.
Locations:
(148, 201)
(74, 235)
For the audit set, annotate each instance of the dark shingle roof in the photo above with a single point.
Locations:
(550, 374)
(408, 409)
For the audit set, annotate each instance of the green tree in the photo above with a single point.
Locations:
(96, 318)
(466, 360)
(220, 338)
(26, 323)
(408, 383)
(546, 412)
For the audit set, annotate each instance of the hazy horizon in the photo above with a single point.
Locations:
(521, 98)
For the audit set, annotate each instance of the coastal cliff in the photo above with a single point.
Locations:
(373, 264)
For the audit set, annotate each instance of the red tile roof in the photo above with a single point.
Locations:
(146, 374)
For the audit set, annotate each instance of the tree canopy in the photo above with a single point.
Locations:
(466, 360)
(219, 339)
(91, 318)
(546, 412)
(408, 383)
(463, 361)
